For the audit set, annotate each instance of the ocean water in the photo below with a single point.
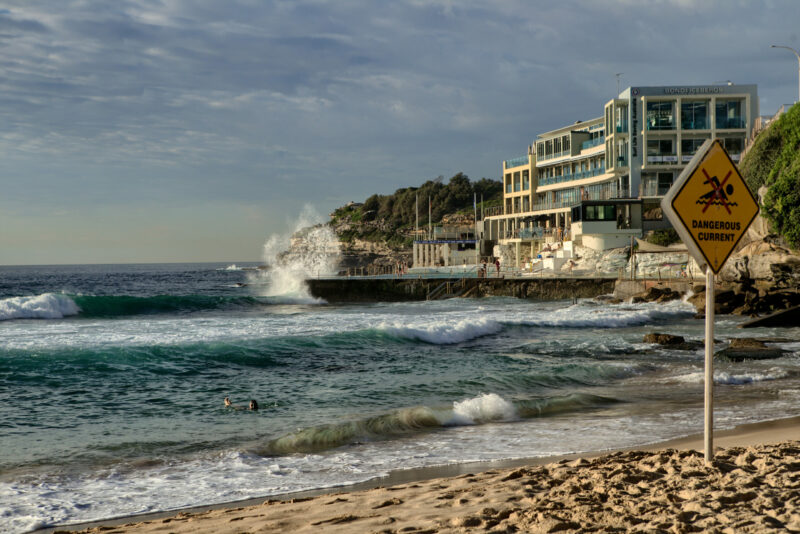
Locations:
(112, 381)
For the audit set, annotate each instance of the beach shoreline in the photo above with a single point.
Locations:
(775, 432)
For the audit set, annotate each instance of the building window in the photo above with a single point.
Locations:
(540, 150)
(548, 147)
(734, 146)
(689, 147)
(729, 114)
(526, 181)
(621, 125)
(557, 145)
(659, 147)
(694, 115)
(565, 143)
(599, 213)
(664, 182)
(661, 115)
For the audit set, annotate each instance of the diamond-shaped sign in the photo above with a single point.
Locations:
(710, 206)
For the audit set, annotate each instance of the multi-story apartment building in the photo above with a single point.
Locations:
(601, 181)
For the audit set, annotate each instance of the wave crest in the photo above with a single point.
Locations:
(45, 306)
(481, 409)
(444, 333)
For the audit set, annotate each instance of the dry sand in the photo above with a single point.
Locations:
(753, 485)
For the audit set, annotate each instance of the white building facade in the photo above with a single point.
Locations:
(600, 182)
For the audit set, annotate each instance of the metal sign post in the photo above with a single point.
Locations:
(708, 430)
(711, 207)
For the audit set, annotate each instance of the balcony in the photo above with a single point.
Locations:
(592, 143)
(554, 155)
(663, 159)
(622, 161)
(724, 123)
(622, 127)
(516, 162)
(492, 211)
(654, 189)
(697, 124)
(660, 125)
(571, 177)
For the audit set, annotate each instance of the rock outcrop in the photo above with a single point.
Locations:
(669, 341)
(741, 349)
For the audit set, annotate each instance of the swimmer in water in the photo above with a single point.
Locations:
(253, 405)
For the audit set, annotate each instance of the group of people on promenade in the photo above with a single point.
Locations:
(484, 270)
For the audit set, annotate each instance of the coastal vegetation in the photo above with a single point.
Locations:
(774, 162)
(391, 219)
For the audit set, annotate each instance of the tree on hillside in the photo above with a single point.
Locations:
(774, 161)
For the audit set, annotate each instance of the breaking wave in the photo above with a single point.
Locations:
(478, 410)
(59, 305)
(45, 306)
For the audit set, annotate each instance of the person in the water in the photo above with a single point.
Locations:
(253, 405)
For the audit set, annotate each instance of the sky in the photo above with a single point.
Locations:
(135, 131)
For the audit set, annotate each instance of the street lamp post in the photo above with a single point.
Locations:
(796, 53)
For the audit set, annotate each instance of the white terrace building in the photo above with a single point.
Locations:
(599, 182)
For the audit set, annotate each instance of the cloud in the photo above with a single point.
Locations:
(278, 103)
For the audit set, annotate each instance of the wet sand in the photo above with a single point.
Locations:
(752, 486)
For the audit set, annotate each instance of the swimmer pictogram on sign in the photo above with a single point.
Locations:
(710, 206)
(717, 196)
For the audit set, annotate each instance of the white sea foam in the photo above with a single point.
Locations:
(484, 408)
(311, 250)
(723, 378)
(231, 267)
(442, 332)
(45, 306)
(613, 316)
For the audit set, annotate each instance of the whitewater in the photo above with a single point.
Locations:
(112, 380)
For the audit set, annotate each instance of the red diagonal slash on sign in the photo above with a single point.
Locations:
(718, 194)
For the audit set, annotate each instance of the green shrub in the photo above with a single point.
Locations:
(663, 238)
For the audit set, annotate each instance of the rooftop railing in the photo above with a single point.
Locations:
(516, 162)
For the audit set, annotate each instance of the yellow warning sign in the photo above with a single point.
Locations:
(713, 204)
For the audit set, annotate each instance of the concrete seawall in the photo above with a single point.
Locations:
(407, 289)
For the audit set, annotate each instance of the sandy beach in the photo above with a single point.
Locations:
(752, 486)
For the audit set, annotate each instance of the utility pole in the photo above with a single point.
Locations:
(430, 227)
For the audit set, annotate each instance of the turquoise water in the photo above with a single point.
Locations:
(112, 380)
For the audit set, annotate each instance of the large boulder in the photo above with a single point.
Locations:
(763, 260)
(656, 294)
(741, 349)
(670, 341)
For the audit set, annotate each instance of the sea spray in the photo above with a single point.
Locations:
(311, 250)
